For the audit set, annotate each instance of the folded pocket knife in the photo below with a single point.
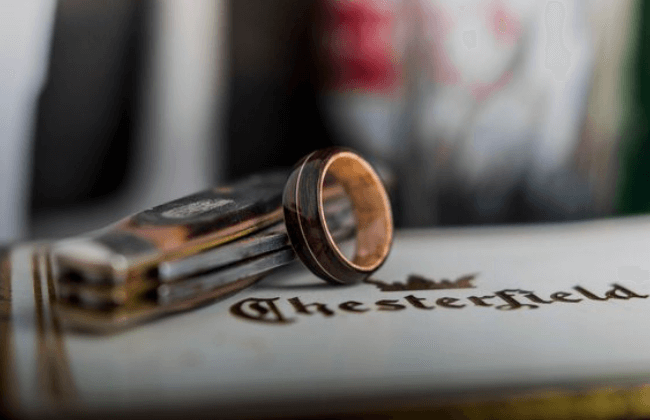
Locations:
(181, 254)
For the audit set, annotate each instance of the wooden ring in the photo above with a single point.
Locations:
(305, 217)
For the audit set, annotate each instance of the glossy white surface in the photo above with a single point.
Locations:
(211, 355)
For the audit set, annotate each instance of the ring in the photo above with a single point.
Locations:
(307, 228)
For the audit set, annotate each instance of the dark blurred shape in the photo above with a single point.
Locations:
(273, 116)
(86, 113)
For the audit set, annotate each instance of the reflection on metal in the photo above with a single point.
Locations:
(106, 309)
(8, 392)
(54, 376)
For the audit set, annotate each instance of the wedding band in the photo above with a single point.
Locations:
(305, 220)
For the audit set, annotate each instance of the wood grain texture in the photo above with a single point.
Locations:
(307, 226)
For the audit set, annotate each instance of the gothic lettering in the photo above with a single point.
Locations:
(302, 308)
(447, 302)
(534, 298)
(353, 306)
(480, 301)
(564, 297)
(262, 310)
(511, 302)
(268, 311)
(417, 302)
(620, 292)
(389, 305)
(586, 293)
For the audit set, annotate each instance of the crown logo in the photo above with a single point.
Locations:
(415, 282)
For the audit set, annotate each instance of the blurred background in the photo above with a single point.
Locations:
(495, 111)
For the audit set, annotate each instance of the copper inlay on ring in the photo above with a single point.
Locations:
(371, 209)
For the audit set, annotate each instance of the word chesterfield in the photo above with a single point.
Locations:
(270, 311)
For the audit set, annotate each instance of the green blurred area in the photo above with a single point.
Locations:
(633, 189)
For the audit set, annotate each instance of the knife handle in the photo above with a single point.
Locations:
(131, 249)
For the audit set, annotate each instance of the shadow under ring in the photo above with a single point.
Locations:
(305, 218)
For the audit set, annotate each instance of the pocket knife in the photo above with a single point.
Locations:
(181, 254)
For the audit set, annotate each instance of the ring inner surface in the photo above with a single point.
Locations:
(371, 210)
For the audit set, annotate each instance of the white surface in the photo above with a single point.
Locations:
(211, 355)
